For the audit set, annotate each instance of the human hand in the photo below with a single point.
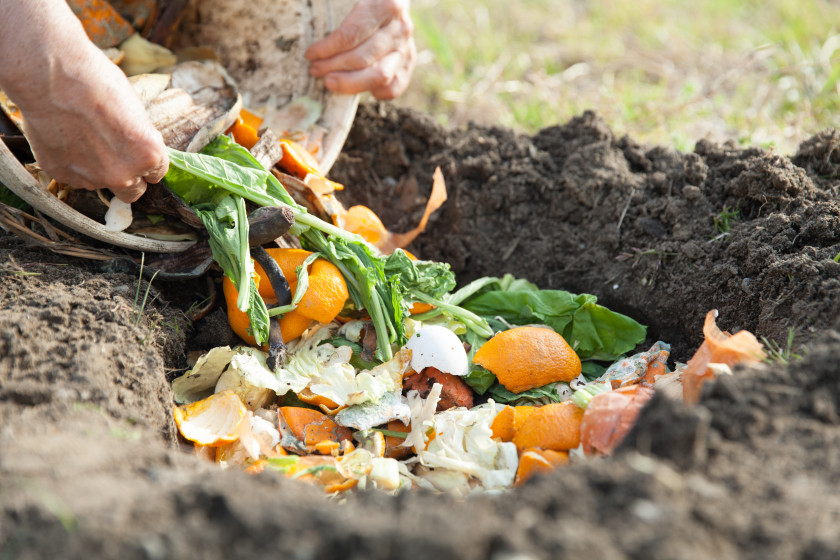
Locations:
(86, 126)
(372, 50)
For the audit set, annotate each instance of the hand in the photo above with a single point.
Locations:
(372, 50)
(86, 126)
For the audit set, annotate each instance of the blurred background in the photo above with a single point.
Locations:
(759, 72)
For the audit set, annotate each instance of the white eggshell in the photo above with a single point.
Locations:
(438, 347)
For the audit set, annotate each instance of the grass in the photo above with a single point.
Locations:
(664, 71)
(781, 354)
(723, 221)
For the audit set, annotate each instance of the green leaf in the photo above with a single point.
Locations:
(546, 393)
(226, 223)
(9, 198)
(432, 278)
(591, 369)
(595, 332)
(227, 149)
(479, 379)
(196, 177)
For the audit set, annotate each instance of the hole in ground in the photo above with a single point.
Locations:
(89, 461)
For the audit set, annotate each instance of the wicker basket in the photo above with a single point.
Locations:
(261, 44)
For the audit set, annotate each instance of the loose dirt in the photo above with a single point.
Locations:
(90, 465)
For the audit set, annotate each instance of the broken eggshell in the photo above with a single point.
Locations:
(438, 347)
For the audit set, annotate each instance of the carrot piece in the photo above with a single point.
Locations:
(312, 427)
(102, 23)
(393, 449)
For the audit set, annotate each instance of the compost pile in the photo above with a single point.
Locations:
(90, 464)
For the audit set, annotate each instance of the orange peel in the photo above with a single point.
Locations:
(526, 357)
(211, 422)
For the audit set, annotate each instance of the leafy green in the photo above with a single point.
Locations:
(356, 361)
(369, 289)
(595, 332)
(584, 395)
(479, 379)
(227, 225)
(9, 198)
(195, 176)
(225, 148)
(382, 286)
(592, 370)
(431, 278)
(544, 394)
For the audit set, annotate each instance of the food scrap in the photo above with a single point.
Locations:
(479, 390)
(364, 367)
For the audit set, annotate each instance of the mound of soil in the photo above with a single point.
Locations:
(90, 465)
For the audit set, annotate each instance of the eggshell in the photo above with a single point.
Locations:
(438, 347)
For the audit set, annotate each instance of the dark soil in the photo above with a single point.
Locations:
(90, 466)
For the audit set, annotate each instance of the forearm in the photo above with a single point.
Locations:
(39, 40)
(85, 124)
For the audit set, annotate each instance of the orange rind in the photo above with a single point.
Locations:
(323, 301)
(554, 426)
(526, 357)
(211, 422)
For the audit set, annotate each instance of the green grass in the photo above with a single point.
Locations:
(664, 71)
(723, 221)
(781, 354)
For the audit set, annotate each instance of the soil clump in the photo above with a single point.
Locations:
(90, 465)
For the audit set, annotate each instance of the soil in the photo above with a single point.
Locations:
(90, 465)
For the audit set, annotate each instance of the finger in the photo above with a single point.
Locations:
(131, 193)
(390, 91)
(373, 77)
(156, 174)
(361, 23)
(386, 40)
(359, 58)
(398, 85)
